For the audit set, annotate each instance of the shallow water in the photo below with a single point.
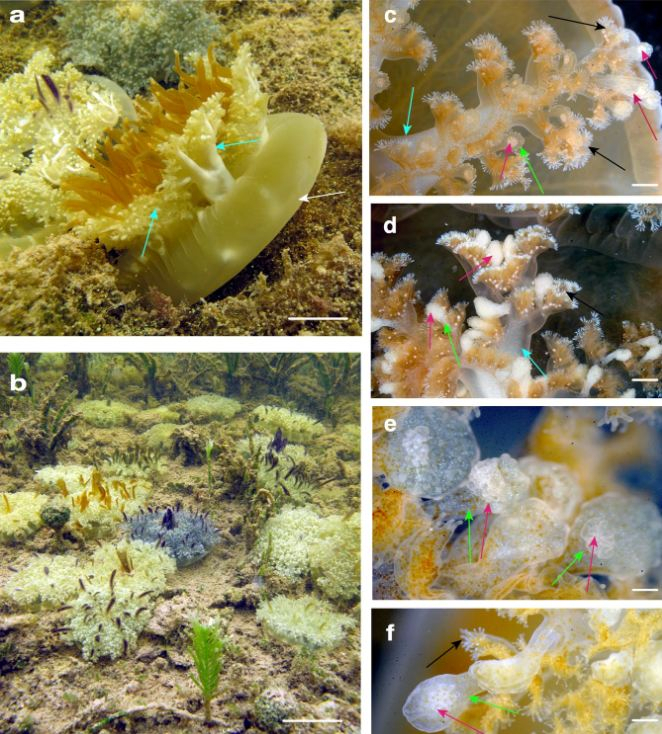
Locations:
(147, 422)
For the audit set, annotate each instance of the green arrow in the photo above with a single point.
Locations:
(525, 155)
(448, 332)
(223, 146)
(578, 557)
(469, 517)
(407, 127)
(475, 699)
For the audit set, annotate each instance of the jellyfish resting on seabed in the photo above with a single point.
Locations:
(493, 77)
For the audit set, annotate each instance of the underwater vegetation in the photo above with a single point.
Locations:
(505, 89)
(525, 671)
(166, 544)
(496, 504)
(207, 652)
(143, 135)
(526, 301)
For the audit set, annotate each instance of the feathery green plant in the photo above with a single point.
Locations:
(206, 649)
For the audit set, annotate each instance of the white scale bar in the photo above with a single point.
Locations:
(317, 318)
(653, 185)
(645, 379)
(312, 721)
(645, 589)
(653, 721)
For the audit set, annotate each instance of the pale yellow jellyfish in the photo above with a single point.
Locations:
(492, 74)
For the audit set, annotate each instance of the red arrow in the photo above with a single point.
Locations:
(637, 101)
(508, 151)
(443, 713)
(430, 321)
(645, 57)
(483, 262)
(488, 512)
(593, 544)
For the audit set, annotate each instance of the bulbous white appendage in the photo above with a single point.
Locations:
(611, 617)
(376, 270)
(499, 482)
(628, 530)
(546, 536)
(513, 675)
(450, 692)
(487, 309)
(431, 453)
(554, 484)
(547, 636)
(614, 670)
(647, 675)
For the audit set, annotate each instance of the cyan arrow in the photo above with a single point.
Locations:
(153, 216)
(407, 127)
(223, 146)
(527, 354)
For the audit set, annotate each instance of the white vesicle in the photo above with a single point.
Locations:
(450, 692)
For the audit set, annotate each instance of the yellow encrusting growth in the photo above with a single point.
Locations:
(19, 515)
(97, 503)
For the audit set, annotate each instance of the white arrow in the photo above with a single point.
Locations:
(305, 197)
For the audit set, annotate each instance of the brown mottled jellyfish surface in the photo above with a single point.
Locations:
(514, 300)
(156, 159)
(181, 542)
(509, 100)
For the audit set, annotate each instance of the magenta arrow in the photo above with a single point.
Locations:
(645, 57)
(508, 151)
(430, 321)
(488, 512)
(443, 713)
(481, 264)
(593, 544)
(637, 101)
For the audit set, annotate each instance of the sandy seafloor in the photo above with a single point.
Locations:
(309, 56)
(46, 687)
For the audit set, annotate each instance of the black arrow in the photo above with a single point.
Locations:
(453, 646)
(597, 26)
(575, 297)
(595, 150)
